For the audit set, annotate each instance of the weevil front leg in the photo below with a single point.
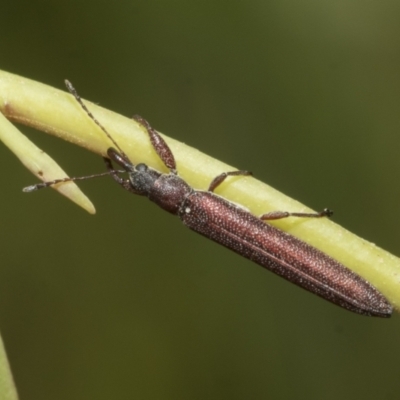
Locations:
(159, 144)
(114, 174)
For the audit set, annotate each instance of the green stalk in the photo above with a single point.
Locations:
(7, 386)
(56, 112)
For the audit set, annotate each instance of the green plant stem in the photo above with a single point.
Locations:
(7, 386)
(56, 112)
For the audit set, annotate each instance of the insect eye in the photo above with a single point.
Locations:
(141, 167)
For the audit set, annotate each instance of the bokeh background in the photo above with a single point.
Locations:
(128, 304)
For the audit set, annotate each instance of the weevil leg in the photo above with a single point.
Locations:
(159, 144)
(273, 214)
(114, 174)
(221, 177)
(285, 214)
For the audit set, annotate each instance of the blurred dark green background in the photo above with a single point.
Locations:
(128, 304)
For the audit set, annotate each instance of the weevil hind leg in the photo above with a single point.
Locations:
(285, 214)
(273, 215)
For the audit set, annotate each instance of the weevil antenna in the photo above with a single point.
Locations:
(74, 93)
(43, 185)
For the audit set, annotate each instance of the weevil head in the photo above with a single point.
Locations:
(142, 179)
(166, 190)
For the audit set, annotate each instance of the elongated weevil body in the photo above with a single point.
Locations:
(237, 229)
